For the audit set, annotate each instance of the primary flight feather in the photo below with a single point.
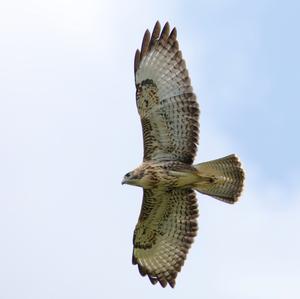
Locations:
(169, 115)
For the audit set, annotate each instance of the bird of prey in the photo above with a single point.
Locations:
(169, 115)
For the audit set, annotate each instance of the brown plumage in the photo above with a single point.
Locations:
(169, 115)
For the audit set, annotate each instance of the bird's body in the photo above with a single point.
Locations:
(169, 115)
(164, 175)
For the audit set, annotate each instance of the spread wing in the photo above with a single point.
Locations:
(166, 103)
(163, 235)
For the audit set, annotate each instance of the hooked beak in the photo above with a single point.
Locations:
(124, 181)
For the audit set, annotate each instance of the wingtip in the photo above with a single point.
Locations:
(133, 259)
(141, 270)
(153, 280)
(165, 31)
(149, 39)
(136, 60)
(167, 26)
(155, 33)
(145, 43)
(163, 282)
(157, 26)
(172, 283)
(173, 34)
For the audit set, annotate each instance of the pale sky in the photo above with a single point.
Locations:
(69, 131)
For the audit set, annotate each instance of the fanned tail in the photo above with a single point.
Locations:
(222, 179)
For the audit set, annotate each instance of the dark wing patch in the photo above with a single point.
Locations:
(164, 233)
(165, 100)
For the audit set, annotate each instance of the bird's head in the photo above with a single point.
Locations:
(141, 177)
(131, 178)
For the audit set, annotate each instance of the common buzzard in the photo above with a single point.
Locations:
(169, 115)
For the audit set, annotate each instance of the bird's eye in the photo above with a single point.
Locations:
(127, 174)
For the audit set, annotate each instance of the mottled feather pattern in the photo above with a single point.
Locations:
(166, 228)
(169, 116)
(166, 103)
(229, 178)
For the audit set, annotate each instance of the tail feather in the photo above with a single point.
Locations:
(223, 178)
